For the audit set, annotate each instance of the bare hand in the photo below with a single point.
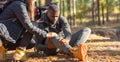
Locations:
(64, 42)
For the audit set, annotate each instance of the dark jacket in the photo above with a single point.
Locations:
(17, 10)
(62, 28)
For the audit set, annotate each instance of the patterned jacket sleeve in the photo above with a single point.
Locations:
(19, 9)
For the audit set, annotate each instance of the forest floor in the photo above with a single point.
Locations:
(97, 52)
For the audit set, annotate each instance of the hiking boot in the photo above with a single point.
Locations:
(80, 52)
(2, 53)
(20, 54)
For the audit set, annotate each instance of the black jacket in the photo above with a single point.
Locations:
(62, 28)
(17, 10)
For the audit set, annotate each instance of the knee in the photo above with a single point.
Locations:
(55, 38)
(86, 29)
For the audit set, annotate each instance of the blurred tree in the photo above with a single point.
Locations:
(102, 3)
(107, 15)
(47, 2)
(74, 12)
(109, 6)
(93, 11)
(39, 2)
(103, 20)
(69, 11)
(98, 9)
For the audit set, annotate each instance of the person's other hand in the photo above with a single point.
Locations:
(64, 42)
(51, 35)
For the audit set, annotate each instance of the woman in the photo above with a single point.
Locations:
(19, 13)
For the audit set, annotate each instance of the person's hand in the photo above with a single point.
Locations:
(64, 42)
(51, 35)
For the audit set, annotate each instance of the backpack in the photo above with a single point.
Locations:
(38, 11)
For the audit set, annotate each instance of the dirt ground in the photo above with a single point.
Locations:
(107, 51)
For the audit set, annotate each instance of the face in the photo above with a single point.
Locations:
(53, 16)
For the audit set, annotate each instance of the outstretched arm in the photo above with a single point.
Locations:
(19, 9)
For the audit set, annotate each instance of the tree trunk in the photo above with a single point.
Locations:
(93, 18)
(39, 1)
(119, 10)
(107, 15)
(74, 13)
(69, 11)
(98, 8)
(103, 21)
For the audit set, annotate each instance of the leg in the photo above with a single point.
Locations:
(80, 37)
(77, 41)
(5, 34)
(32, 44)
(56, 42)
(25, 40)
(20, 53)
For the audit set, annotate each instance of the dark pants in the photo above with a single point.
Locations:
(12, 46)
(1, 10)
(80, 37)
(16, 36)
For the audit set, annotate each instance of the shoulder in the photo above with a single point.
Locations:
(62, 19)
(17, 6)
(17, 3)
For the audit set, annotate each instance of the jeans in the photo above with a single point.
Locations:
(80, 37)
(23, 40)
(12, 46)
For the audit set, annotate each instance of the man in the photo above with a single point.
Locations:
(51, 21)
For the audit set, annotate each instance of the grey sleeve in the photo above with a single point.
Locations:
(20, 11)
(66, 28)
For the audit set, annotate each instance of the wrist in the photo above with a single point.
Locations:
(60, 39)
